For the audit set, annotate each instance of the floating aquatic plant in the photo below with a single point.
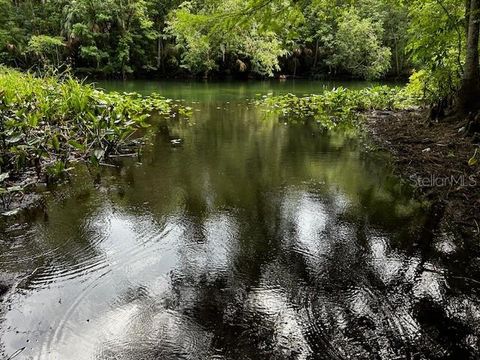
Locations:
(333, 108)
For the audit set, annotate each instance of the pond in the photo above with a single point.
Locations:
(247, 239)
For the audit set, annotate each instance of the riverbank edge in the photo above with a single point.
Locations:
(433, 157)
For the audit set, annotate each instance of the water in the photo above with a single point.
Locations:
(252, 240)
(223, 91)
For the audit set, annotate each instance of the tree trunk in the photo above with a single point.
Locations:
(467, 14)
(468, 98)
(159, 52)
(396, 56)
(316, 54)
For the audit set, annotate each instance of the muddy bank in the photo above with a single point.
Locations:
(434, 159)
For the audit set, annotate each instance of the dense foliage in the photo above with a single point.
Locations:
(437, 46)
(359, 38)
(46, 123)
(316, 38)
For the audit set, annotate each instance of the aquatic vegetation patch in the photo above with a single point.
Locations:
(48, 122)
(337, 107)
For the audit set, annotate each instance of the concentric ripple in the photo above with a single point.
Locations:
(252, 240)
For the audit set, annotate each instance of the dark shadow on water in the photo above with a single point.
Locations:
(252, 239)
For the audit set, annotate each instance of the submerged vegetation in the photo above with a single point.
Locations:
(47, 122)
(338, 107)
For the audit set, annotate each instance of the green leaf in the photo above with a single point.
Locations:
(76, 145)
(473, 160)
(4, 176)
(55, 143)
(15, 139)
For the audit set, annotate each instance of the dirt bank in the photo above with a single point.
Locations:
(434, 158)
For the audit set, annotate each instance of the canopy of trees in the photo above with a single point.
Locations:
(366, 39)
(354, 38)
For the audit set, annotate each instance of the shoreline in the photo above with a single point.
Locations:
(434, 159)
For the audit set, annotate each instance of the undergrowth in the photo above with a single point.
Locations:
(338, 107)
(50, 121)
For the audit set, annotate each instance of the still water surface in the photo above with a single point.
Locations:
(252, 240)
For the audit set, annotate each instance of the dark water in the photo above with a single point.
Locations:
(252, 240)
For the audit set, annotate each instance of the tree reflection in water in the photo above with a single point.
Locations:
(253, 240)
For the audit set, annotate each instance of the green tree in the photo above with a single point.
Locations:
(444, 45)
(436, 45)
(47, 49)
(358, 47)
(208, 38)
(121, 37)
(468, 98)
